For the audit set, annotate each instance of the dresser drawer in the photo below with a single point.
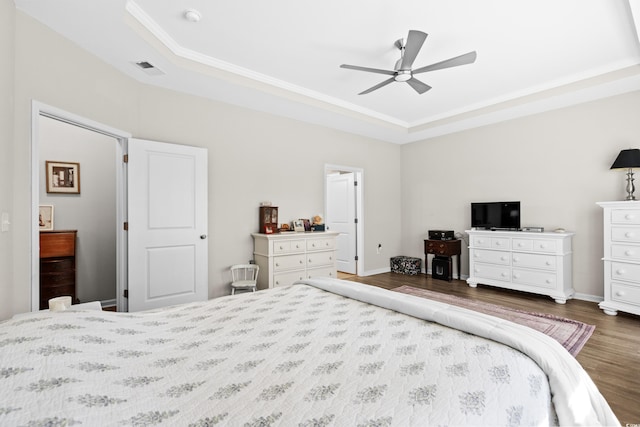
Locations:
(627, 294)
(320, 244)
(480, 242)
(625, 252)
(625, 234)
(57, 244)
(55, 265)
(522, 244)
(493, 257)
(540, 279)
(625, 216)
(321, 272)
(56, 279)
(288, 262)
(547, 262)
(318, 259)
(622, 271)
(286, 279)
(488, 271)
(287, 246)
(545, 246)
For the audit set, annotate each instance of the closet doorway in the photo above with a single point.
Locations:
(344, 214)
(95, 212)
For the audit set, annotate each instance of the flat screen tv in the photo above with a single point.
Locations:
(496, 215)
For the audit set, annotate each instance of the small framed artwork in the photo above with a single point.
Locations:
(307, 224)
(268, 229)
(63, 177)
(45, 217)
(298, 225)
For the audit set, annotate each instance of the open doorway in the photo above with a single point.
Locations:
(94, 212)
(344, 214)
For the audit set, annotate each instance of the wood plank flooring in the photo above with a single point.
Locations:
(611, 356)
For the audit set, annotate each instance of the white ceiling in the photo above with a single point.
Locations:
(283, 56)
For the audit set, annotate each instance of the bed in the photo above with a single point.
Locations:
(320, 352)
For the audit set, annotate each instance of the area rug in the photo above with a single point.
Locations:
(571, 334)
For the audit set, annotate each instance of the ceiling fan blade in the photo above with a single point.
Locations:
(415, 40)
(378, 86)
(418, 86)
(370, 70)
(467, 58)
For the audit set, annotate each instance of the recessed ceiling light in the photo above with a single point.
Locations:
(192, 15)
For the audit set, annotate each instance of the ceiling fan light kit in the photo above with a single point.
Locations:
(403, 72)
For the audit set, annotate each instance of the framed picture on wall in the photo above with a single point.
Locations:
(63, 177)
(45, 217)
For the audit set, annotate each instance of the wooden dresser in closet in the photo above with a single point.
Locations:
(57, 265)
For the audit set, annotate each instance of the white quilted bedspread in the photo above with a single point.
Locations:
(291, 356)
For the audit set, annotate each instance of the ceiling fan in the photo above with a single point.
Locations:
(402, 71)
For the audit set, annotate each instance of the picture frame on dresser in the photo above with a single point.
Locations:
(298, 225)
(62, 177)
(45, 217)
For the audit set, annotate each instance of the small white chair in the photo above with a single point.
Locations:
(244, 276)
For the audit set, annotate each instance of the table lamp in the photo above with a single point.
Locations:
(628, 159)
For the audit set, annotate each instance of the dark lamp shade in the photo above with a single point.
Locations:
(627, 159)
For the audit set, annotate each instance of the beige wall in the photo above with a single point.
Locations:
(556, 163)
(7, 24)
(252, 156)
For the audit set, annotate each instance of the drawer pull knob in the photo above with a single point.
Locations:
(504, 274)
(277, 282)
(476, 255)
(516, 276)
(548, 262)
(281, 247)
(503, 258)
(543, 245)
(620, 272)
(620, 293)
(629, 253)
(516, 259)
(498, 243)
(330, 258)
(548, 281)
(628, 234)
(313, 245)
(301, 261)
(277, 264)
(476, 270)
(629, 216)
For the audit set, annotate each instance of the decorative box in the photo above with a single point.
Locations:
(405, 265)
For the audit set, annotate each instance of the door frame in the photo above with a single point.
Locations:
(40, 109)
(359, 178)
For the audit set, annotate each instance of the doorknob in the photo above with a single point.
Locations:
(203, 236)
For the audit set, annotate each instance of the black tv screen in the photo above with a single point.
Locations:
(496, 215)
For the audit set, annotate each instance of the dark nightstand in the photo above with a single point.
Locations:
(443, 248)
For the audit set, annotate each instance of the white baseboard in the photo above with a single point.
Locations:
(378, 271)
(587, 297)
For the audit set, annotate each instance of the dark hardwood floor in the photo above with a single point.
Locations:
(611, 356)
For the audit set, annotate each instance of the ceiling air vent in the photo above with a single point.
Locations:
(149, 68)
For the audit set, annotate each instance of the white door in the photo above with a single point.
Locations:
(167, 205)
(341, 217)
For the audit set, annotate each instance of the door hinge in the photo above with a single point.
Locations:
(126, 293)
(126, 226)
(355, 220)
(125, 158)
(355, 258)
(355, 183)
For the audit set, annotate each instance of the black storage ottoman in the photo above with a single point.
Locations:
(405, 265)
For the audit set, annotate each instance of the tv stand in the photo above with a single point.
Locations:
(534, 262)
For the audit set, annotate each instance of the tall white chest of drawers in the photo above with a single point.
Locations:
(621, 257)
(284, 258)
(525, 261)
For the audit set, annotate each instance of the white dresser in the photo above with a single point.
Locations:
(525, 261)
(621, 257)
(286, 257)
